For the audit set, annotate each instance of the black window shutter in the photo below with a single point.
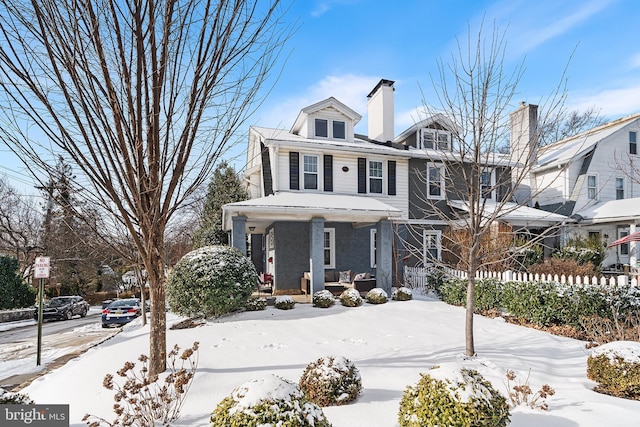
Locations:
(294, 171)
(362, 175)
(328, 172)
(391, 166)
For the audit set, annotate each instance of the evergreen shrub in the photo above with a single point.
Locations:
(351, 298)
(616, 368)
(14, 292)
(376, 296)
(331, 381)
(323, 299)
(256, 304)
(211, 281)
(401, 294)
(453, 396)
(284, 302)
(270, 401)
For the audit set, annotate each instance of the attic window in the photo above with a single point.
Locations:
(433, 139)
(322, 128)
(633, 147)
(338, 129)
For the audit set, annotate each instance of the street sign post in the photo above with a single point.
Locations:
(41, 270)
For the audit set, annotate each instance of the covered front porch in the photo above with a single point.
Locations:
(322, 235)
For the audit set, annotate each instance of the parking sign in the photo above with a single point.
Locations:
(41, 267)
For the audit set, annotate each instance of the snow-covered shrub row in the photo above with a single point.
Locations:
(544, 303)
(453, 396)
(616, 368)
(376, 296)
(256, 304)
(351, 298)
(8, 397)
(401, 294)
(270, 401)
(331, 381)
(323, 299)
(284, 302)
(211, 281)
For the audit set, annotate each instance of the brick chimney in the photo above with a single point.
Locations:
(380, 111)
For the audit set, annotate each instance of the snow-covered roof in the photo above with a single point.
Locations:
(561, 152)
(294, 206)
(515, 214)
(441, 119)
(284, 137)
(624, 210)
(330, 102)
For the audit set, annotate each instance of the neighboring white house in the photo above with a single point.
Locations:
(593, 178)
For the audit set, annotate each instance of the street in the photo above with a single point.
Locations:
(61, 340)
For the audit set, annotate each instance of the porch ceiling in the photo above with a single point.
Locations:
(286, 206)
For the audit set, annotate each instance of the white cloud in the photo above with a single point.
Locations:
(635, 61)
(611, 103)
(350, 89)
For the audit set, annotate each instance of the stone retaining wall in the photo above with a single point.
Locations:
(13, 315)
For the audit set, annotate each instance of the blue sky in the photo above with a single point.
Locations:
(342, 48)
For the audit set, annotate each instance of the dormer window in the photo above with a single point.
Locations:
(322, 128)
(434, 139)
(339, 129)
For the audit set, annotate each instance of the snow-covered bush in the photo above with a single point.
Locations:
(376, 296)
(270, 401)
(616, 368)
(331, 381)
(211, 281)
(7, 397)
(284, 302)
(351, 298)
(323, 299)
(453, 396)
(401, 294)
(256, 304)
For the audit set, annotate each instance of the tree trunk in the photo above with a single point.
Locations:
(158, 319)
(470, 347)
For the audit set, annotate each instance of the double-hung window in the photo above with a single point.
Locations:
(443, 141)
(428, 139)
(339, 129)
(329, 246)
(310, 165)
(430, 246)
(435, 181)
(619, 188)
(375, 176)
(633, 145)
(486, 184)
(592, 187)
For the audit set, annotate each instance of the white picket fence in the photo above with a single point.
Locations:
(416, 277)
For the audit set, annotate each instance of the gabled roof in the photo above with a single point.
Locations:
(561, 152)
(442, 119)
(330, 102)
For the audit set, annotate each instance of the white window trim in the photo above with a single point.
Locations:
(315, 131)
(318, 173)
(332, 247)
(436, 140)
(492, 184)
(616, 187)
(372, 247)
(438, 235)
(381, 178)
(596, 187)
(440, 168)
(347, 129)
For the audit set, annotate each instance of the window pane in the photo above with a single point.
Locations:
(427, 139)
(632, 137)
(619, 188)
(310, 164)
(633, 148)
(375, 185)
(434, 181)
(443, 141)
(321, 128)
(310, 181)
(338, 130)
(375, 169)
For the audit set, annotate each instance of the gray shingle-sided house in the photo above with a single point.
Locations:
(323, 200)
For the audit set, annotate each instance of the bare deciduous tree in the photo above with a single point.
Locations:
(475, 95)
(141, 96)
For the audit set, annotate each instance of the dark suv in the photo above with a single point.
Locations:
(63, 308)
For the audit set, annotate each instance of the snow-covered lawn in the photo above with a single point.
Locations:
(390, 344)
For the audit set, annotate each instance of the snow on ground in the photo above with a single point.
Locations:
(390, 344)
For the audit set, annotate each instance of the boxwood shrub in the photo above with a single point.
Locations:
(616, 368)
(323, 299)
(331, 380)
(351, 298)
(452, 396)
(401, 294)
(270, 401)
(376, 296)
(284, 302)
(211, 281)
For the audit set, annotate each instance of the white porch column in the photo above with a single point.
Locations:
(633, 250)
(384, 264)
